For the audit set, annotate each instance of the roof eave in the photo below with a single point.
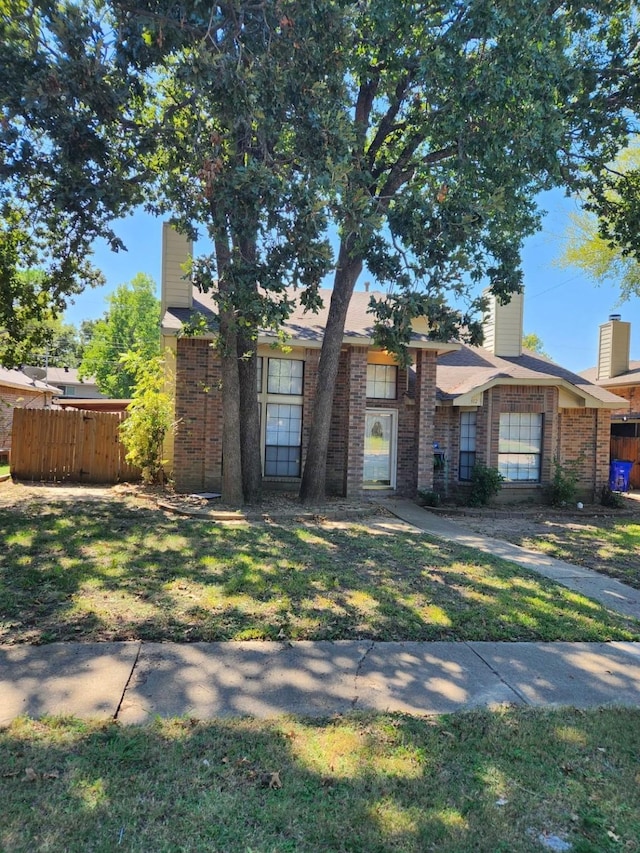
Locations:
(589, 401)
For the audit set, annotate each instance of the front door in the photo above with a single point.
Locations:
(379, 449)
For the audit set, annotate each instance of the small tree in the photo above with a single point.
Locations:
(150, 416)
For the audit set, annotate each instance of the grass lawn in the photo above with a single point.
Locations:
(612, 546)
(510, 781)
(4, 470)
(114, 571)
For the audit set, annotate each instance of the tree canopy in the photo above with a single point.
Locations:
(603, 240)
(422, 131)
(460, 115)
(69, 153)
(131, 324)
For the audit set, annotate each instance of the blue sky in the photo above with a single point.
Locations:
(561, 305)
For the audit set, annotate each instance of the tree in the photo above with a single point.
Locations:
(534, 343)
(242, 99)
(150, 415)
(603, 238)
(132, 323)
(70, 161)
(461, 113)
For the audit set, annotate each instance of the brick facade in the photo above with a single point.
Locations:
(577, 437)
(197, 453)
(12, 398)
(632, 394)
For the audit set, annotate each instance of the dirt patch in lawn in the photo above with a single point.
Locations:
(598, 538)
(275, 505)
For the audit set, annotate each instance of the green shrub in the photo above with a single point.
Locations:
(485, 484)
(428, 498)
(564, 484)
(610, 498)
(150, 416)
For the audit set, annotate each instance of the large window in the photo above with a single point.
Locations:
(283, 440)
(520, 447)
(382, 381)
(280, 399)
(467, 445)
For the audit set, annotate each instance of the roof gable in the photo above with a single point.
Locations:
(462, 375)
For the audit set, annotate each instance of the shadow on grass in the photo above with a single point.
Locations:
(105, 571)
(477, 782)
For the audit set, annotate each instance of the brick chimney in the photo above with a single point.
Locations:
(175, 288)
(613, 348)
(503, 325)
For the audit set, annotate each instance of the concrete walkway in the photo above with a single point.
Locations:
(607, 591)
(134, 682)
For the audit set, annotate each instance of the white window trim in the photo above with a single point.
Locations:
(393, 462)
(284, 399)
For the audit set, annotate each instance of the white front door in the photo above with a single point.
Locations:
(379, 449)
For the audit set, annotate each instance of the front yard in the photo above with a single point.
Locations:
(509, 779)
(115, 569)
(605, 541)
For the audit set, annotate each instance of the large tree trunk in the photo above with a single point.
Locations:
(249, 420)
(228, 349)
(248, 372)
(231, 453)
(312, 488)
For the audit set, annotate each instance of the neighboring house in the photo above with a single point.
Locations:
(94, 404)
(615, 372)
(393, 429)
(17, 390)
(70, 384)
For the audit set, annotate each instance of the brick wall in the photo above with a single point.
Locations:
(12, 398)
(584, 436)
(198, 440)
(570, 435)
(632, 394)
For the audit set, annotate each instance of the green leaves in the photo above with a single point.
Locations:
(130, 324)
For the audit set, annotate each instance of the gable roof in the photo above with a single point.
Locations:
(462, 375)
(18, 379)
(303, 327)
(68, 376)
(630, 377)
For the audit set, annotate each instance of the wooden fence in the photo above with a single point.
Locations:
(75, 445)
(628, 448)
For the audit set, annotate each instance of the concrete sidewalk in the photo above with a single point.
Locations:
(135, 682)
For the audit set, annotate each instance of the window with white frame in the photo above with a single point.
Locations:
(467, 445)
(520, 446)
(382, 381)
(280, 390)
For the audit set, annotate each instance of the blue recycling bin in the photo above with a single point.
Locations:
(619, 473)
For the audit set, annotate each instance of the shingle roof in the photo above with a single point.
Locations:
(68, 376)
(631, 377)
(472, 368)
(17, 379)
(302, 326)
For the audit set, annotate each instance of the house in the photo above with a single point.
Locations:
(381, 431)
(18, 390)
(393, 429)
(70, 384)
(517, 411)
(618, 374)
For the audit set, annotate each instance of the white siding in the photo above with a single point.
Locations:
(176, 249)
(503, 326)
